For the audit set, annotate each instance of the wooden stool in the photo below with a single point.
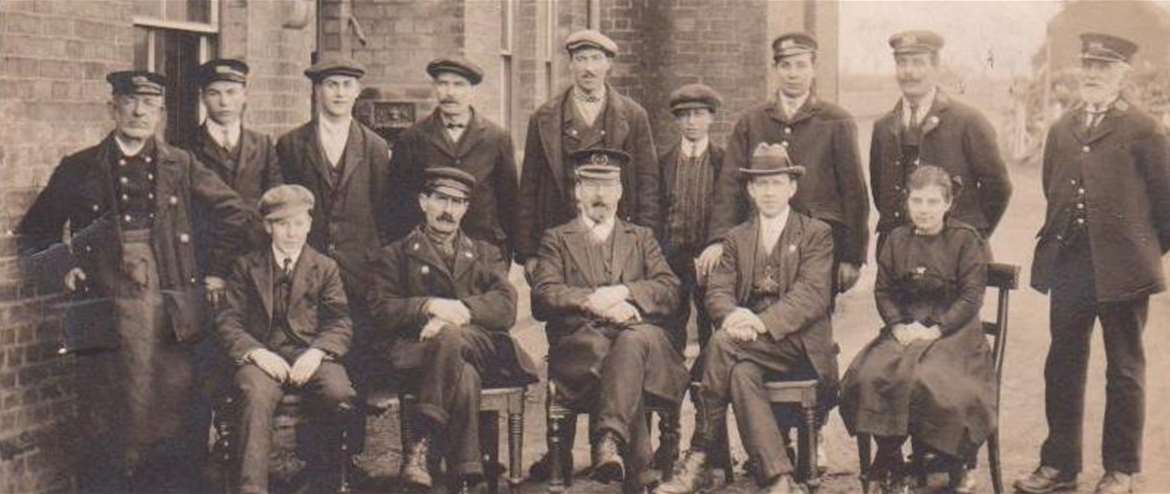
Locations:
(804, 395)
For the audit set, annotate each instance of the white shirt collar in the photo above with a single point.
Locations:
(696, 148)
(579, 93)
(333, 129)
(128, 149)
(217, 131)
(924, 107)
(280, 256)
(791, 105)
(599, 231)
(772, 228)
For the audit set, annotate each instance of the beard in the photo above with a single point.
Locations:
(1098, 95)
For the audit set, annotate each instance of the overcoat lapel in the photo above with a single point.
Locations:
(576, 238)
(355, 153)
(316, 154)
(624, 244)
(425, 252)
(464, 257)
(471, 135)
(435, 132)
(303, 270)
(261, 271)
(941, 104)
(248, 149)
(550, 138)
(617, 128)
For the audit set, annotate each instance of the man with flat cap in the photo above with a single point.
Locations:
(770, 295)
(456, 135)
(607, 293)
(929, 126)
(589, 115)
(128, 204)
(819, 135)
(347, 168)
(243, 158)
(444, 304)
(285, 325)
(1106, 176)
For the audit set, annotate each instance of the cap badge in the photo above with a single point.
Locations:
(139, 79)
(599, 159)
(223, 69)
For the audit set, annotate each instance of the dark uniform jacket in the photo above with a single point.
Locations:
(802, 312)
(81, 192)
(351, 217)
(955, 137)
(409, 271)
(822, 137)
(250, 169)
(546, 182)
(484, 150)
(1123, 166)
(668, 166)
(317, 313)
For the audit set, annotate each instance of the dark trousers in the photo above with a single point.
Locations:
(1073, 310)
(683, 264)
(261, 394)
(734, 374)
(448, 389)
(621, 407)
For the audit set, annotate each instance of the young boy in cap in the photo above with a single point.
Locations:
(770, 297)
(445, 306)
(285, 324)
(607, 294)
(456, 135)
(1105, 160)
(589, 115)
(928, 126)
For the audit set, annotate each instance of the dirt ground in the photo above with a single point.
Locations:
(1022, 424)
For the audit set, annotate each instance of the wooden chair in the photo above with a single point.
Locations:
(1004, 278)
(558, 434)
(493, 403)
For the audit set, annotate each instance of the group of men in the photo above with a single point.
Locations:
(364, 255)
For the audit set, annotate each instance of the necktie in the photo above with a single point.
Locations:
(913, 116)
(227, 139)
(287, 266)
(588, 98)
(456, 126)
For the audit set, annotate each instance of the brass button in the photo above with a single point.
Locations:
(149, 159)
(184, 238)
(1080, 205)
(787, 130)
(784, 143)
(125, 197)
(1086, 149)
(1080, 221)
(96, 208)
(1081, 191)
(173, 200)
(128, 218)
(124, 180)
(122, 162)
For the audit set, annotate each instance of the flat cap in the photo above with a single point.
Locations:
(1107, 47)
(222, 69)
(283, 201)
(458, 66)
(794, 43)
(918, 41)
(588, 38)
(694, 96)
(335, 66)
(448, 180)
(771, 159)
(599, 164)
(137, 82)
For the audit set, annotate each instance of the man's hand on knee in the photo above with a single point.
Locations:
(305, 366)
(269, 362)
(431, 329)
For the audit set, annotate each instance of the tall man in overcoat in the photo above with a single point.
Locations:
(606, 292)
(770, 295)
(347, 168)
(1099, 255)
(128, 203)
(589, 115)
(443, 301)
(456, 135)
(929, 126)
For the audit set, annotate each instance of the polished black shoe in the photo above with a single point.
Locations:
(414, 471)
(783, 484)
(690, 475)
(1115, 482)
(608, 465)
(541, 471)
(1044, 480)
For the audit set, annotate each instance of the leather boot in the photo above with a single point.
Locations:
(414, 471)
(608, 465)
(691, 475)
(783, 484)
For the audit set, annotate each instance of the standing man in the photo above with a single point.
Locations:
(606, 292)
(243, 158)
(589, 115)
(928, 126)
(1107, 181)
(457, 136)
(446, 306)
(128, 204)
(347, 168)
(770, 295)
(818, 135)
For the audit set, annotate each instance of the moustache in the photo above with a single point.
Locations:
(444, 101)
(447, 217)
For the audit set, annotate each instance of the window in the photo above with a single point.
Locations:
(546, 46)
(173, 37)
(507, 28)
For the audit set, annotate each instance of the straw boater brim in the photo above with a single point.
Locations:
(771, 159)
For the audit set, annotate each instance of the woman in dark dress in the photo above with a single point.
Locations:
(929, 372)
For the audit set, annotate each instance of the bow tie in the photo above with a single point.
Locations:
(587, 98)
(456, 126)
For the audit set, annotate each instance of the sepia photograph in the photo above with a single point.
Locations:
(584, 246)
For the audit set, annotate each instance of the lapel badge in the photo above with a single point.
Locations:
(469, 254)
(425, 269)
(920, 270)
(933, 119)
(174, 200)
(791, 247)
(415, 246)
(599, 159)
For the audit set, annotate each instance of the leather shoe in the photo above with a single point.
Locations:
(541, 471)
(690, 475)
(963, 482)
(1115, 482)
(414, 471)
(1046, 479)
(608, 465)
(783, 484)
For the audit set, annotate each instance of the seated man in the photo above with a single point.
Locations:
(605, 289)
(770, 296)
(445, 304)
(285, 323)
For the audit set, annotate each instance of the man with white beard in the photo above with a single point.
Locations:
(1107, 181)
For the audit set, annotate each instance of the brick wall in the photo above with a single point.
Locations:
(54, 56)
